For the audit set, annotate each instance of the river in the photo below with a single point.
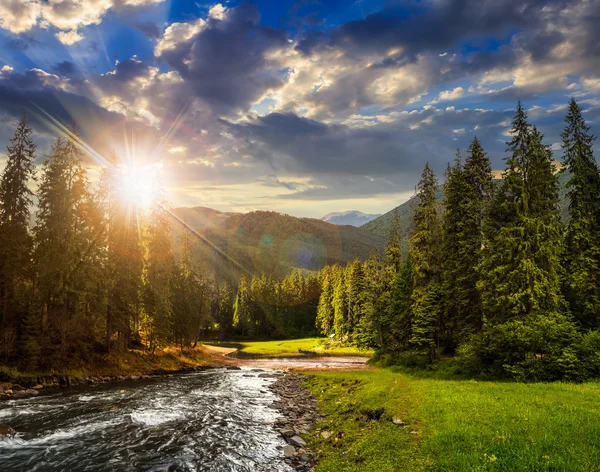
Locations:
(215, 420)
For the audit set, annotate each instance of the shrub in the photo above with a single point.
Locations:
(537, 348)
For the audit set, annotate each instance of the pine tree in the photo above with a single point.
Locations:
(241, 313)
(582, 240)
(425, 249)
(160, 265)
(324, 320)
(393, 250)
(399, 316)
(124, 259)
(467, 191)
(340, 303)
(520, 266)
(355, 290)
(15, 206)
(65, 245)
(372, 329)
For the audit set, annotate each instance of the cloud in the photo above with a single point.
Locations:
(68, 16)
(449, 95)
(228, 60)
(18, 16)
(68, 38)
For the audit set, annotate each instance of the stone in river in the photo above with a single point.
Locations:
(287, 432)
(289, 451)
(7, 431)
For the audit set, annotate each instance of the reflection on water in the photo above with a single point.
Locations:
(215, 420)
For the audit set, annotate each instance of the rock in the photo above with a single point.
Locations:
(17, 388)
(414, 432)
(8, 392)
(287, 432)
(233, 367)
(398, 421)
(6, 431)
(297, 441)
(325, 434)
(38, 387)
(134, 377)
(289, 451)
(30, 392)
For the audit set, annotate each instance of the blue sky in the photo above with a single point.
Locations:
(303, 107)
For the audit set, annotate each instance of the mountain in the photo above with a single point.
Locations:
(350, 217)
(270, 243)
(382, 225)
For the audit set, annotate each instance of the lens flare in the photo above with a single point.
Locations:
(139, 185)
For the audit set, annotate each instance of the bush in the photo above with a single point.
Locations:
(537, 348)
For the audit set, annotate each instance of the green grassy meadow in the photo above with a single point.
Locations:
(295, 347)
(453, 425)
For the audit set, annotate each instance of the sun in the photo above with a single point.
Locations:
(139, 185)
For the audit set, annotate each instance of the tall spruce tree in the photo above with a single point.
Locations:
(15, 207)
(520, 266)
(393, 250)
(160, 266)
(582, 240)
(64, 237)
(324, 318)
(425, 250)
(467, 191)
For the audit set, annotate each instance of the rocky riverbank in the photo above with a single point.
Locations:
(298, 409)
(26, 387)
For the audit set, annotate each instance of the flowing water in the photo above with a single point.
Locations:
(216, 420)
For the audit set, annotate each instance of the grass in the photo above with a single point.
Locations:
(295, 347)
(454, 425)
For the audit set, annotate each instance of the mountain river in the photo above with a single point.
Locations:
(214, 420)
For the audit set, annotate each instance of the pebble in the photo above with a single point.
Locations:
(298, 409)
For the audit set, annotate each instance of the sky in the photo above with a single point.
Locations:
(302, 107)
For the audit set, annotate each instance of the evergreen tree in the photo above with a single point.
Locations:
(399, 308)
(467, 191)
(520, 266)
(372, 330)
(15, 207)
(582, 240)
(393, 250)
(160, 265)
(324, 318)
(355, 288)
(425, 249)
(64, 237)
(340, 303)
(241, 311)
(124, 259)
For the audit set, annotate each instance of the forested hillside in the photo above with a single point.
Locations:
(272, 243)
(383, 224)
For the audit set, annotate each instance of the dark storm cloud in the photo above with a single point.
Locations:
(316, 147)
(225, 64)
(149, 28)
(417, 28)
(66, 69)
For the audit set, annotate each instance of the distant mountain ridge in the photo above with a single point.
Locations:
(349, 217)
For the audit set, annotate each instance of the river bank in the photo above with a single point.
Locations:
(131, 365)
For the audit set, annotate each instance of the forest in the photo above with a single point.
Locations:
(490, 275)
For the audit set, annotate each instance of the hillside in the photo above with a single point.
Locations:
(272, 243)
(381, 226)
(350, 217)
